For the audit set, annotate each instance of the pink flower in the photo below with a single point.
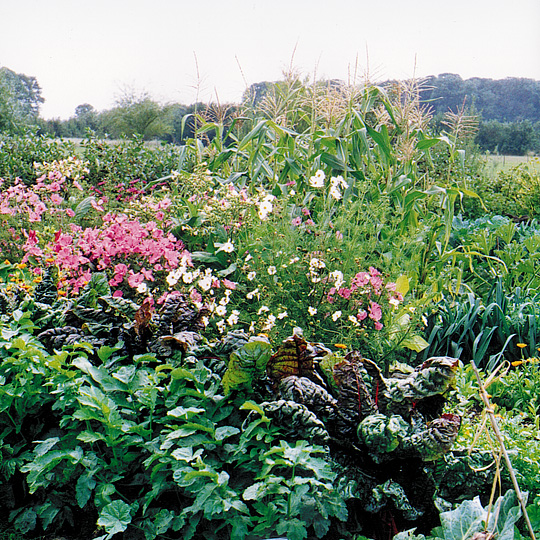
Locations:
(296, 221)
(195, 296)
(229, 284)
(362, 315)
(70, 212)
(361, 279)
(306, 212)
(96, 206)
(56, 199)
(77, 185)
(118, 294)
(55, 186)
(135, 280)
(376, 283)
(339, 235)
(375, 311)
(159, 216)
(378, 326)
(345, 293)
(147, 274)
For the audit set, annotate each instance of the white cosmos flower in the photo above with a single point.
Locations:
(251, 276)
(265, 208)
(233, 317)
(205, 283)
(336, 315)
(272, 270)
(312, 311)
(221, 311)
(317, 181)
(227, 247)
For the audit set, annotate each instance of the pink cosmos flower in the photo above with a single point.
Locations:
(296, 221)
(70, 212)
(159, 216)
(56, 199)
(345, 293)
(229, 284)
(378, 326)
(195, 296)
(375, 311)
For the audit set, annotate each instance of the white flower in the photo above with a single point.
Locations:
(142, 288)
(292, 193)
(262, 309)
(270, 322)
(251, 276)
(336, 315)
(317, 181)
(272, 270)
(338, 182)
(312, 311)
(221, 311)
(233, 317)
(187, 277)
(224, 301)
(394, 302)
(294, 260)
(269, 198)
(282, 315)
(252, 294)
(317, 263)
(265, 208)
(220, 326)
(336, 194)
(227, 247)
(337, 276)
(205, 283)
(354, 320)
(172, 278)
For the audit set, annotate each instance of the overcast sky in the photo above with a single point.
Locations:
(90, 51)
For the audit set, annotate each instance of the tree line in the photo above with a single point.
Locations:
(508, 111)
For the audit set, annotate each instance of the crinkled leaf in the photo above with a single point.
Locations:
(293, 357)
(246, 364)
(143, 316)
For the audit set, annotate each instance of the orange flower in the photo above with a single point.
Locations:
(521, 345)
(340, 346)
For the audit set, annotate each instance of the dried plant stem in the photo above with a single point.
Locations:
(498, 435)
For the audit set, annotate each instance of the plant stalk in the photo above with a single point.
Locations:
(498, 435)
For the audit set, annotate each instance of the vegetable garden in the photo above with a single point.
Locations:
(269, 330)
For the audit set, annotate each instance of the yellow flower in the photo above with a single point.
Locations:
(521, 345)
(518, 363)
(20, 266)
(340, 345)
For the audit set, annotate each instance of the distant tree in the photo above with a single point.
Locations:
(20, 99)
(137, 115)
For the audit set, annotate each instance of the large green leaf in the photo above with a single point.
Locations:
(246, 364)
(115, 517)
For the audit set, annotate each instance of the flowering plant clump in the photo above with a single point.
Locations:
(71, 167)
(127, 248)
(365, 298)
